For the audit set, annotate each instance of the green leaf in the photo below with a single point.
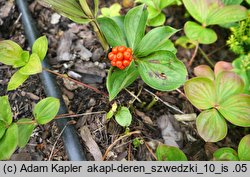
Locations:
(228, 84)
(185, 42)
(123, 117)
(46, 110)
(2, 128)
(200, 34)
(211, 126)
(225, 154)
(10, 52)
(113, 11)
(135, 25)
(248, 1)
(221, 66)
(5, 110)
(86, 8)
(169, 153)
(112, 32)
(243, 148)
(154, 40)
(120, 79)
(68, 8)
(231, 2)
(200, 91)
(162, 71)
(8, 143)
(157, 21)
(236, 110)
(227, 14)
(33, 66)
(96, 4)
(153, 12)
(16, 80)
(25, 56)
(165, 3)
(25, 129)
(204, 71)
(40, 47)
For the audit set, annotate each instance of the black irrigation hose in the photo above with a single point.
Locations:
(70, 138)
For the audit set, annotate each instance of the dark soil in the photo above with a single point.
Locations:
(93, 71)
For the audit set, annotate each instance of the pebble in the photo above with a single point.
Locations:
(55, 18)
(97, 54)
(74, 75)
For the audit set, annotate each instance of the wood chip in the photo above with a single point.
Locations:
(90, 143)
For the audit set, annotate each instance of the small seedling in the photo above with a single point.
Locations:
(112, 11)
(12, 54)
(229, 154)
(208, 13)
(13, 134)
(169, 153)
(220, 95)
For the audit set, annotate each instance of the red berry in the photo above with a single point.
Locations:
(114, 50)
(114, 58)
(125, 63)
(113, 63)
(126, 55)
(121, 49)
(130, 58)
(122, 67)
(129, 50)
(111, 56)
(118, 64)
(119, 56)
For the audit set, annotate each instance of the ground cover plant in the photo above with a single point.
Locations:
(136, 43)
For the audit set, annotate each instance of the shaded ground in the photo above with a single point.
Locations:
(74, 50)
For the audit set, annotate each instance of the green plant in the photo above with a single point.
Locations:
(229, 154)
(112, 11)
(153, 54)
(169, 153)
(12, 54)
(155, 7)
(209, 12)
(13, 134)
(220, 95)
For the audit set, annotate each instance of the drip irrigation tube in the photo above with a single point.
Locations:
(70, 138)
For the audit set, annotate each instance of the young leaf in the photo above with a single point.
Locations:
(8, 143)
(112, 32)
(123, 117)
(154, 40)
(16, 80)
(135, 25)
(2, 128)
(25, 56)
(10, 52)
(236, 110)
(5, 110)
(34, 65)
(169, 153)
(227, 14)
(211, 126)
(113, 11)
(46, 110)
(200, 91)
(204, 71)
(157, 21)
(120, 79)
(221, 66)
(200, 34)
(153, 12)
(162, 71)
(243, 148)
(231, 2)
(225, 154)
(40, 47)
(228, 84)
(25, 129)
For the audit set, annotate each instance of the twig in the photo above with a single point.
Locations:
(193, 56)
(206, 57)
(15, 23)
(180, 92)
(61, 116)
(117, 140)
(52, 150)
(168, 105)
(77, 82)
(136, 97)
(150, 150)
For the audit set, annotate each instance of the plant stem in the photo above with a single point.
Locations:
(151, 104)
(77, 82)
(193, 56)
(206, 57)
(61, 116)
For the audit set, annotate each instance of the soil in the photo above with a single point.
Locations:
(89, 65)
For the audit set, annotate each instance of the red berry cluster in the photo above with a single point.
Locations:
(120, 56)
